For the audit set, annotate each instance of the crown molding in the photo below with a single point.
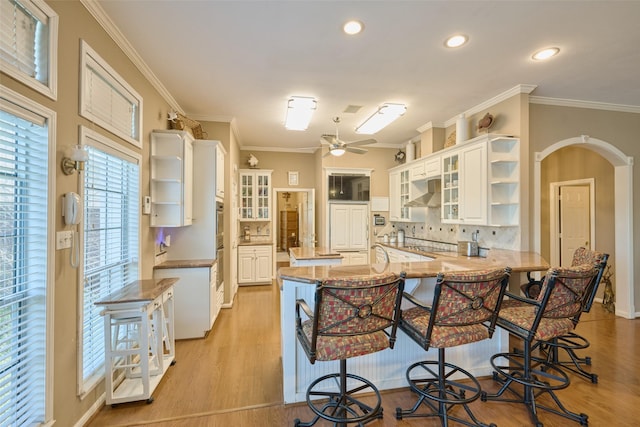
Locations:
(429, 125)
(516, 90)
(279, 149)
(114, 32)
(584, 104)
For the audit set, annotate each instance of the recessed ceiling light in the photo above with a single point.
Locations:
(546, 53)
(456, 41)
(353, 27)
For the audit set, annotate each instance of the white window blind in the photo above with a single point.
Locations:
(107, 99)
(24, 190)
(111, 189)
(28, 40)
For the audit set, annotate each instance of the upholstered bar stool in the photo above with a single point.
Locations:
(351, 317)
(571, 342)
(464, 310)
(552, 315)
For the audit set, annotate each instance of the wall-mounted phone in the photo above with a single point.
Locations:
(72, 213)
(71, 208)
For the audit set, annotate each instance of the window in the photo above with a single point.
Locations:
(26, 277)
(111, 242)
(107, 100)
(28, 44)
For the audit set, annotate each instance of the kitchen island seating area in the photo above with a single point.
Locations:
(571, 341)
(351, 317)
(554, 313)
(464, 310)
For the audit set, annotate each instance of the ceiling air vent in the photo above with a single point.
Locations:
(352, 109)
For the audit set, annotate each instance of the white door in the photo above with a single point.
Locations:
(339, 225)
(358, 227)
(306, 221)
(574, 221)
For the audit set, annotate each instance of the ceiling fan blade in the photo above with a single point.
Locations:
(362, 142)
(355, 150)
(328, 139)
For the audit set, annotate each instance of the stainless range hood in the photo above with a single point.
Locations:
(431, 198)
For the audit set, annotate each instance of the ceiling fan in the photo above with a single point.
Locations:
(337, 147)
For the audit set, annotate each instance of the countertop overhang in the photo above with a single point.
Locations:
(518, 261)
(314, 253)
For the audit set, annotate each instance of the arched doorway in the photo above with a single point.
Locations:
(623, 206)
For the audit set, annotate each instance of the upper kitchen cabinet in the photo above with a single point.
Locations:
(404, 185)
(255, 195)
(464, 182)
(481, 182)
(504, 181)
(171, 178)
(220, 155)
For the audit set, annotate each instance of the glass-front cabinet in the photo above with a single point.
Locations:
(450, 189)
(255, 195)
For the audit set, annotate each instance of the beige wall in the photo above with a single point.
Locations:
(552, 124)
(572, 163)
(76, 24)
(311, 173)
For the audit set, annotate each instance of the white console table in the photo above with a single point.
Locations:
(139, 339)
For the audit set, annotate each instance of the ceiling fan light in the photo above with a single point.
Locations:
(299, 112)
(385, 115)
(337, 151)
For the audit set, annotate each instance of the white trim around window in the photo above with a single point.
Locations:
(26, 109)
(107, 99)
(29, 51)
(105, 145)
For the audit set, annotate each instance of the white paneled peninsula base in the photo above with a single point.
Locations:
(387, 368)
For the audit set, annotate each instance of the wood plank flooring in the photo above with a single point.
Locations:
(233, 377)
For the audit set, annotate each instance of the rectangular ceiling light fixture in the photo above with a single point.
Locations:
(386, 114)
(299, 112)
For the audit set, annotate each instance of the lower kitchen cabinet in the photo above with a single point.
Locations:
(196, 299)
(255, 264)
(355, 258)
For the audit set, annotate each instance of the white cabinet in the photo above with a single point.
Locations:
(406, 183)
(196, 304)
(255, 264)
(397, 255)
(504, 181)
(171, 178)
(220, 155)
(473, 184)
(355, 258)
(481, 182)
(255, 195)
(394, 196)
(464, 185)
(432, 167)
(190, 242)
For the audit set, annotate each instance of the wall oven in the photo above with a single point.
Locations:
(220, 243)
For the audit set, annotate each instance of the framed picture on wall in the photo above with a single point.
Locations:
(293, 178)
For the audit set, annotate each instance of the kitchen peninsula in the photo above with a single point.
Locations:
(300, 257)
(387, 368)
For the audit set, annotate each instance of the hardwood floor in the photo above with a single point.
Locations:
(233, 377)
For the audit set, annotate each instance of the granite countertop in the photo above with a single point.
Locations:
(139, 291)
(410, 247)
(314, 253)
(255, 243)
(186, 263)
(518, 261)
